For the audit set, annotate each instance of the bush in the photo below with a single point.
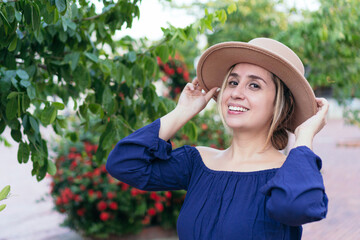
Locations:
(98, 205)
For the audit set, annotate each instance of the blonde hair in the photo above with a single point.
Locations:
(283, 111)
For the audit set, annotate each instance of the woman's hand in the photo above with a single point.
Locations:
(305, 132)
(192, 100)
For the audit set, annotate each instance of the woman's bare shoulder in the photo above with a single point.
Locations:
(208, 153)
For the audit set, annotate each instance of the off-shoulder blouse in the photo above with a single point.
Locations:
(224, 205)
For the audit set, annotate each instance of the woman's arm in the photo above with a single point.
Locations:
(145, 158)
(296, 194)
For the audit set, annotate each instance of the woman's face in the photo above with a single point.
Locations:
(248, 98)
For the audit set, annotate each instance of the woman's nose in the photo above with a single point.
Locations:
(238, 92)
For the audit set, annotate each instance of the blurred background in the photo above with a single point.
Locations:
(77, 76)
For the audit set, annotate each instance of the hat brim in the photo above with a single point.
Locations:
(218, 59)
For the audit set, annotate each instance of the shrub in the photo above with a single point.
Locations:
(98, 205)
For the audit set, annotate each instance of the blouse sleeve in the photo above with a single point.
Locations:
(296, 192)
(145, 161)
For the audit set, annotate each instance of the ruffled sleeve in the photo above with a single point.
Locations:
(296, 194)
(145, 161)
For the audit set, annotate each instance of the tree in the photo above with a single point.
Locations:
(55, 51)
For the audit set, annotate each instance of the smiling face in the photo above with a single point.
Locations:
(247, 100)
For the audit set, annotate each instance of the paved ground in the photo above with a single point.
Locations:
(24, 218)
(339, 147)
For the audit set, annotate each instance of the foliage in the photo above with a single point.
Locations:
(3, 195)
(259, 18)
(175, 76)
(96, 204)
(55, 53)
(328, 41)
(209, 131)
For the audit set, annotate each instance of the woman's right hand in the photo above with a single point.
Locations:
(192, 100)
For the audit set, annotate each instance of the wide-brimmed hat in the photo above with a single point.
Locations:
(269, 54)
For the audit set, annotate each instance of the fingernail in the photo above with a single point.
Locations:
(218, 90)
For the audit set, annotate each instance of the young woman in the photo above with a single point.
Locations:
(250, 190)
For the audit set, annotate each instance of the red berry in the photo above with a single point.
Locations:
(104, 216)
(151, 211)
(113, 206)
(101, 206)
(159, 207)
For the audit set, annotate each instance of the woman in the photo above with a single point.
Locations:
(250, 190)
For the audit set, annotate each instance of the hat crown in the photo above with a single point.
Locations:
(281, 50)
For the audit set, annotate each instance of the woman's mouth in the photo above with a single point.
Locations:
(237, 109)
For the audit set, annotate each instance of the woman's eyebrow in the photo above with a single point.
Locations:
(255, 77)
(234, 75)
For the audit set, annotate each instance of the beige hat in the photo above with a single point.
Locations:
(269, 54)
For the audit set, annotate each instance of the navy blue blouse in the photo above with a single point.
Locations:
(265, 204)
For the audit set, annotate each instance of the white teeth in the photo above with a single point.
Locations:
(239, 109)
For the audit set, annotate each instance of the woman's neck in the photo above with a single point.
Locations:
(249, 146)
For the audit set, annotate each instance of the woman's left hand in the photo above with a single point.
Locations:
(308, 129)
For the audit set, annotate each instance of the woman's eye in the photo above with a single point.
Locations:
(233, 83)
(254, 85)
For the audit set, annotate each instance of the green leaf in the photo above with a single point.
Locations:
(190, 130)
(13, 44)
(5, 84)
(74, 137)
(92, 57)
(35, 16)
(163, 52)
(109, 139)
(4, 19)
(83, 110)
(2, 207)
(34, 124)
(4, 192)
(25, 102)
(107, 99)
(11, 108)
(17, 16)
(22, 74)
(61, 5)
(150, 66)
(221, 15)
(231, 8)
(31, 92)
(12, 95)
(25, 83)
(41, 173)
(58, 105)
(27, 13)
(23, 153)
(10, 12)
(48, 115)
(72, 59)
(61, 122)
(16, 135)
(95, 108)
(51, 168)
(138, 74)
(2, 125)
(131, 56)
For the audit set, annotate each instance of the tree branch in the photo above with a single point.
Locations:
(96, 16)
(42, 66)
